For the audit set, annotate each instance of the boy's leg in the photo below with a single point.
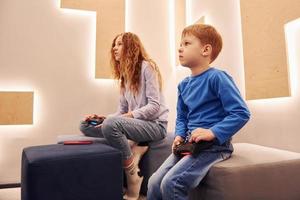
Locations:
(154, 183)
(89, 130)
(188, 173)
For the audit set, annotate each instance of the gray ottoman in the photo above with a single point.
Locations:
(252, 173)
(71, 172)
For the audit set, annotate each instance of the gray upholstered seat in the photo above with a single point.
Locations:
(253, 172)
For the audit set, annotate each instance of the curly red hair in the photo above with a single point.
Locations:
(128, 68)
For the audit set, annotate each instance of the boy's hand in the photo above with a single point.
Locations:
(177, 141)
(201, 134)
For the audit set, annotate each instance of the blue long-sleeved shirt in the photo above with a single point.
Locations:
(210, 100)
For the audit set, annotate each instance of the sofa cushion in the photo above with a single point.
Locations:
(252, 172)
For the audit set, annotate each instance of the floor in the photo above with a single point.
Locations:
(15, 194)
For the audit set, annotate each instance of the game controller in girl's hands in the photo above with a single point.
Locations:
(95, 121)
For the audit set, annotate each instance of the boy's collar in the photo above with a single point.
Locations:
(202, 71)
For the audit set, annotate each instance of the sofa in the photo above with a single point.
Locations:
(253, 172)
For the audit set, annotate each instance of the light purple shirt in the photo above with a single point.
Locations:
(149, 103)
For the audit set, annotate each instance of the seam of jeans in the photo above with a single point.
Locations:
(184, 173)
(180, 177)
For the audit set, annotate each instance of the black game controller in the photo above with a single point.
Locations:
(95, 121)
(193, 149)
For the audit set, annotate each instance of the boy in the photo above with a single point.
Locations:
(209, 108)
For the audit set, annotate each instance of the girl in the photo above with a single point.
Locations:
(142, 113)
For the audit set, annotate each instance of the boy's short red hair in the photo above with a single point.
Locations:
(207, 34)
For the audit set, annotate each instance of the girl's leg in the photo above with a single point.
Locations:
(138, 150)
(134, 181)
(117, 131)
(134, 188)
(89, 130)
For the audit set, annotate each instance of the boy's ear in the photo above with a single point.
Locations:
(207, 50)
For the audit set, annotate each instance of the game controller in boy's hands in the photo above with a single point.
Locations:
(188, 148)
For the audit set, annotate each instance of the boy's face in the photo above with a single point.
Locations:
(191, 51)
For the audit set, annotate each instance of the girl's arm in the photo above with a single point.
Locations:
(122, 108)
(152, 95)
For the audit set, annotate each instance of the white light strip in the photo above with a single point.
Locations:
(188, 12)
(291, 30)
(126, 15)
(70, 11)
(92, 42)
(172, 40)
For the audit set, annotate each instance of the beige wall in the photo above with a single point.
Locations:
(50, 51)
(150, 20)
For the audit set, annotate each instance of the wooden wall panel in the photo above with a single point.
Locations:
(264, 46)
(180, 24)
(16, 108)
(110, 22)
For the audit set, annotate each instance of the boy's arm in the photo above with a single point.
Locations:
(237, 113)
(181, 119)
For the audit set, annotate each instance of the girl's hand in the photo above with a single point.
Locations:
(88, 117)
(93, 116)
(129, 114)
(201, 134)
(98, 126)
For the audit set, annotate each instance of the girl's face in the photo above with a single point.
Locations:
(118, 48)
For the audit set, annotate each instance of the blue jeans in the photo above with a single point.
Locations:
(116, 130)
(176, 176)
